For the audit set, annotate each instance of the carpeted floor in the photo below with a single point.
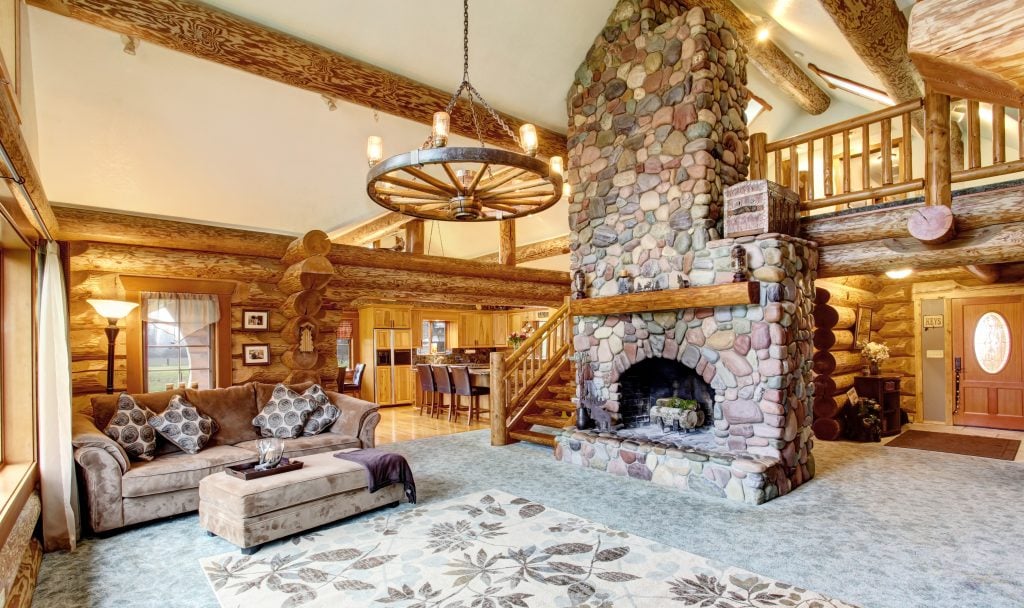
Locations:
(877, 527)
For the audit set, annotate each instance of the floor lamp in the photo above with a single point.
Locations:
(114, 311)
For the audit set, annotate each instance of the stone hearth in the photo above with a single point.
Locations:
(657, 135)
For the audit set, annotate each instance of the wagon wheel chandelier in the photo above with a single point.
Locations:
(465, 184)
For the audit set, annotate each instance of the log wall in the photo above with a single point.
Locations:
(255, 280)
(893, 324)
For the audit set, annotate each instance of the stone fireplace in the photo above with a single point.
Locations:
(657, 135)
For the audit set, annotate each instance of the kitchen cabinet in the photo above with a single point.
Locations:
(500, 328)
(384, 385)
(396, 317)
(404, 385)
(475, 329)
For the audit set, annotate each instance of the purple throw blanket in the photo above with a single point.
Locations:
(383, 469)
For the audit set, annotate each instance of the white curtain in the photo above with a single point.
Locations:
(180, 314)
(56, 464)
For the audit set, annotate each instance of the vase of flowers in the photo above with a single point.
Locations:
(516, 339)
(875, 353)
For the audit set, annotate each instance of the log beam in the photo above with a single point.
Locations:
(970, 49)
(209, 33)
(415, 241)
(371, 230)
(990, 245)
(769, 58)
(972, 211)
(532, 252)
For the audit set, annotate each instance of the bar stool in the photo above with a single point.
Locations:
(427, 387)
(442, 386)
(464, 388)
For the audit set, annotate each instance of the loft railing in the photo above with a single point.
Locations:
(516, 376)
(900, 151)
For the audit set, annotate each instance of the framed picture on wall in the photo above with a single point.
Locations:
(256, 320)
(255, 354)
(862, 328)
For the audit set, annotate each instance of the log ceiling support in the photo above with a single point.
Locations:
(532, 252)
(769, 58)
(970, 49)
(415, 241)
(933, 223)
(372, 230)
(507, 242)
(209, 33)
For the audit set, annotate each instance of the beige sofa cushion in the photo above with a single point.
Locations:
(180, 471)
(303, 446)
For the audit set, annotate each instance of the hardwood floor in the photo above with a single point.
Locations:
(403, 423)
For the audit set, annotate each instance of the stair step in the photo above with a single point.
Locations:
(534, 437)
(558, 405)
(555, 422)
(567, 376)
(563, 389)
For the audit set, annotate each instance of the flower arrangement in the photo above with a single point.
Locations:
(875, 352)
(516, 339)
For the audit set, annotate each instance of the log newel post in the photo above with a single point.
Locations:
(507, 242)
(758, 156)
(933, 223)
(499, 417)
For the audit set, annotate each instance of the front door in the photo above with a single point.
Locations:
(988, 350)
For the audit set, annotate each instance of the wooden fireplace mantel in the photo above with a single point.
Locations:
(731, 294)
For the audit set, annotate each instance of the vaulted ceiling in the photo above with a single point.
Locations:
(164, 133)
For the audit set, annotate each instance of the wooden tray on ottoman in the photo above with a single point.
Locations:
(248, 470)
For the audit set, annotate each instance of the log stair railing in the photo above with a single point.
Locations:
(534, 385)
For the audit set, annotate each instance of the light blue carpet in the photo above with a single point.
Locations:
(878, 527)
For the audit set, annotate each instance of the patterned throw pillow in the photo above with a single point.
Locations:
(285, 415)
(129, 428)
(323, 416)
(183, 425)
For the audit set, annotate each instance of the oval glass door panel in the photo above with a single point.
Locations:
(992, 342)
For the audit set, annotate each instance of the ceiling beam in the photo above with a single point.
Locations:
(532, 252)
(371, 230)
(970, 49)
(769, 58)
(209, 33)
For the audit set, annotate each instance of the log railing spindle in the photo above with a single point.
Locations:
(826, 165)
(865, 157)
(998, 134)
(810, 170)
(778, 167)
(794, 169)
(906, 151)
(846, 162)
(973, 134)
(886, 151)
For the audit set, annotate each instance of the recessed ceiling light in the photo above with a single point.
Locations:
(763, 33)
(900, 273)
(838, 82)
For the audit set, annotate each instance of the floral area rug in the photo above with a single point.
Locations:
(488, 550)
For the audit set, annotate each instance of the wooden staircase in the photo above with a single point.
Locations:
(533, 398)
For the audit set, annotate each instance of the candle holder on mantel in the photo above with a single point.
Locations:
(739, 264)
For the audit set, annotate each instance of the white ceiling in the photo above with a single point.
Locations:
(167, 134)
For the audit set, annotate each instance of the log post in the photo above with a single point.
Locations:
(507, 242)
(933, 224)
(304, 281)
(758, 156)
(415, 242)
(499, 425)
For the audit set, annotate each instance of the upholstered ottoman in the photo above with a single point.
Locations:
(250, 513)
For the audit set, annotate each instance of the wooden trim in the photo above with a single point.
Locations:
(209, 33)
(532, 252)
(846, 125)
(730, 294)
(371, 230)
(17, 482)
(133, 288)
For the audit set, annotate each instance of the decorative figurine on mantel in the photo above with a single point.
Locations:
(739, 264)
(625, 283)
(579, 284)
(682, 282)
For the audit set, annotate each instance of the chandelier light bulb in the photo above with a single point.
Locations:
(439, 131)
(374, 149)
(528, 138)
(556, 165)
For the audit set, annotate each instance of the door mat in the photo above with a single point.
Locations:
(968, 445)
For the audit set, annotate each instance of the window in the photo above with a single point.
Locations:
(180, 334)
(344, 352)
(179, 345)
(433, 337)
(992, 342)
